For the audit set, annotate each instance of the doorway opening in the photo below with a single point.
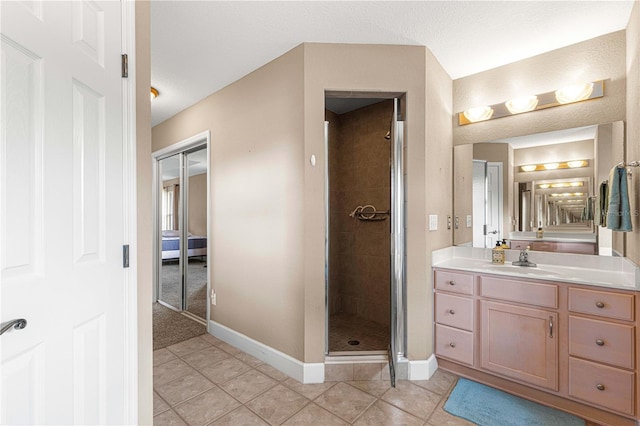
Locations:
(364, 138)
(487, 203)
(181, 271)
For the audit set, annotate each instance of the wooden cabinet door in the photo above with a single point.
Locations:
(520, 343)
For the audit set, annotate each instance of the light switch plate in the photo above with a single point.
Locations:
(433, 222)
(469, 223)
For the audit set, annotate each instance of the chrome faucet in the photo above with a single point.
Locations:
(523, 259)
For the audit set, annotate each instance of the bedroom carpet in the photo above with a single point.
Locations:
(486, 406)
(171, 327)
(196, 286)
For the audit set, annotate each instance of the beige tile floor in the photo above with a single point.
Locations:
(204, 381)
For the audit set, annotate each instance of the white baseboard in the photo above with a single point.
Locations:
(303, 372)
(423, 369)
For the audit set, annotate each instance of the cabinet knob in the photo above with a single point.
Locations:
(452, 344)
(600, 305)
(452, 312)
(600, 386)
(599, 342)
(452, 282)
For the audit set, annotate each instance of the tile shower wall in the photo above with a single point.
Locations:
(359, 173)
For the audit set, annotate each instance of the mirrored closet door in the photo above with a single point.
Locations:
(182, 228)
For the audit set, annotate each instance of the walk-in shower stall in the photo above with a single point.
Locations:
(365, 226)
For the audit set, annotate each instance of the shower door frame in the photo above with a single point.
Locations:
(398, 300)
(183, 147)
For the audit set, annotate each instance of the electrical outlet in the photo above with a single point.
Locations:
(448, 221)
(469, 222)
(433, 222)
(214, 299)
(457, 223)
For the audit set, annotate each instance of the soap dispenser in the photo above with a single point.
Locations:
(497, 254)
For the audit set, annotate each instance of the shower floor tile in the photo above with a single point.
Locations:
(345, 328)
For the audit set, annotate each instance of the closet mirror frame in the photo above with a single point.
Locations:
(190, 144)
(604, 158)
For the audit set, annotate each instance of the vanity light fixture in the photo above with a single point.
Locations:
(566, 95)
(568, 194)
(523, 104)
(154, 93)
(553, 166)
(560, 185)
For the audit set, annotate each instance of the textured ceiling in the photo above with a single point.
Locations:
(199, 47)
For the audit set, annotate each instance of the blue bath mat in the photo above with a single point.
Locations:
(487, 406)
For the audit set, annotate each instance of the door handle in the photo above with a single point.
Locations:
(18, 324)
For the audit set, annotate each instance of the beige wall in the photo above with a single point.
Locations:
(268, 201)
(633, 128)
(257, 188)
(406, 69)
(596, 59)
(143, 189)
(438, 193)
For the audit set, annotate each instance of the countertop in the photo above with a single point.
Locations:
(600, 271)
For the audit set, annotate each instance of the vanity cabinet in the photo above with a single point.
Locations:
(561, 344)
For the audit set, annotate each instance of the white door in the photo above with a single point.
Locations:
(479, 203)
(62, 213)
(494, 204)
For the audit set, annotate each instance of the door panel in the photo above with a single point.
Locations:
(62, 213)
(171, 251)
(494, 204)
(196, 219)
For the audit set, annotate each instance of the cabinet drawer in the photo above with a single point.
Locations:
(454, 311)
(537, 294)
(602, 341)
(454, 344)
(601, 303)
(601, 385)
(454, 282)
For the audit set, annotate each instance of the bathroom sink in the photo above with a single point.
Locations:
(524, 270)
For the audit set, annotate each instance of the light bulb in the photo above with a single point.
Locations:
(478, 114)
(574, 93)
(523, 104)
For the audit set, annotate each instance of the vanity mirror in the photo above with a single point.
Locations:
(514, 188)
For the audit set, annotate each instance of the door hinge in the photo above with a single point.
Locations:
(125, 65)
(125, 256)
